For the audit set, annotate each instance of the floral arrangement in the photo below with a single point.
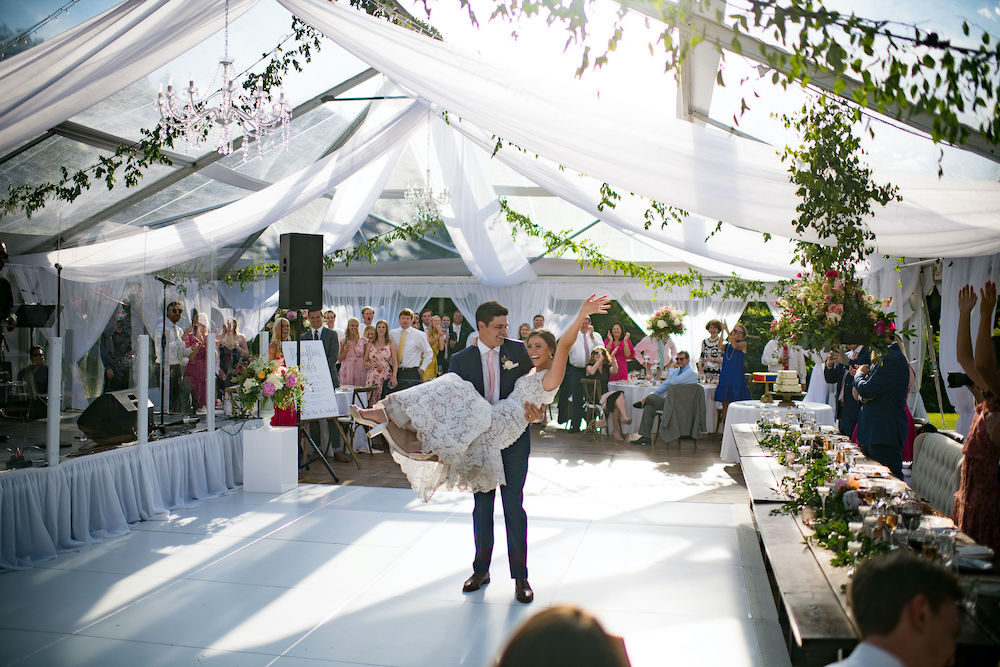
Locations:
(258, 379)
(824, 311)
(666, 321)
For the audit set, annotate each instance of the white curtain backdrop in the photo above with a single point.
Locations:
(66, 74)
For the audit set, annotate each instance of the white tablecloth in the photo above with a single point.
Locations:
(747, 412)
(634, 392)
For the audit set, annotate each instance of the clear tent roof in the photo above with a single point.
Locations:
(173, 194)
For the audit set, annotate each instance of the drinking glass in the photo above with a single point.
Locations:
(823, 492)
(946, 547)
(900, 538)
(855, 528)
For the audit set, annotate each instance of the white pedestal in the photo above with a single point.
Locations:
(270, 460)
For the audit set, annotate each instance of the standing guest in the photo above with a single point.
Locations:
(523, 331)
(435, 340)
(779, 357)
(461, 328)
(330, 322)
(680, 373)
(710, 359)
(538, 322)
(732, 382)
(601, 367)
(352, 356)
(425, 320)
(449, 345)
(233, 349)
(413, 352)
(275, 352)
(977, 503)
(197, 366)
(840, 369)
(907, 609)
(369, 335)
(882, 425)
(331, 349)
(380, 360)
(586, 341)
(620, 347)
(176, 360)
(116, 354)
(367, 315)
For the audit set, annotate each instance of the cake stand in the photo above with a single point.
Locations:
(787, 398)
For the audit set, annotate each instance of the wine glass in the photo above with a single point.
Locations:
(823, 491)
(855, 528)
(853, 548)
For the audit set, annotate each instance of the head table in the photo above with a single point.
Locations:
(748, 412)
(634, 391)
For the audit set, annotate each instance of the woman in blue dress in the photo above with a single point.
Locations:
(732, 382)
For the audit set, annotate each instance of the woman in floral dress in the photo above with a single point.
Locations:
(380, 360)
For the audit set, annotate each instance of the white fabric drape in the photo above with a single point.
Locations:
(644, 151)
(66, 74)
(156, 249)
(955, 273)
(640, 306)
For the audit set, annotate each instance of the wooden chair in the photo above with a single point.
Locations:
(361, 398)
(592, 408)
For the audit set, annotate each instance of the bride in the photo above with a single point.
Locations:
(444, 433)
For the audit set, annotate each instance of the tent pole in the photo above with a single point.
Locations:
(935, 369)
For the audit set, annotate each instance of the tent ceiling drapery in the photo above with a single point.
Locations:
(691, 167)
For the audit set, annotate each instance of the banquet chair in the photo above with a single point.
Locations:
(592, 408)
(683, 414)
(362, 399)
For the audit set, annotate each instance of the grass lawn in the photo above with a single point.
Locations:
(949, 420)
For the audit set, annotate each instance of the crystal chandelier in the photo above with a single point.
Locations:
(424, 203)
(234, 114)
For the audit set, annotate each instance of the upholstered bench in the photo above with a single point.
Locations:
(937, 470)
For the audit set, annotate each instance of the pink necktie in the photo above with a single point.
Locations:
(586, 348)
(491, 378)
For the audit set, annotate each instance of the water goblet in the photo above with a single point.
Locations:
(823, 491)
(853, 548)
(855, 528)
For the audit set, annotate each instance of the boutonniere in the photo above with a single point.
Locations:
(507, 364)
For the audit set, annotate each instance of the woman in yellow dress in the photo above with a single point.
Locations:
(434, 338)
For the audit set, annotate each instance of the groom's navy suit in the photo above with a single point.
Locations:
(468, 365)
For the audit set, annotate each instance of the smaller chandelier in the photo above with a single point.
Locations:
(257, 116)
(424, 203)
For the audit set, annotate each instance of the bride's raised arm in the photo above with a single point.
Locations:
(592, 306)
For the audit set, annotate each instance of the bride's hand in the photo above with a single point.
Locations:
(595, 305)
(533, 413)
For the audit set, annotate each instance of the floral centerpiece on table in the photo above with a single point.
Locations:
(258, 379)
(665, 321)
(820, 312)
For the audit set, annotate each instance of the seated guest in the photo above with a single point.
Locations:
(601, 367)
(563, 635)
(840, 369)
(882, 427)
(779, 357)
(680, 373)
(35, 375)
(906, 608)
(977, 503)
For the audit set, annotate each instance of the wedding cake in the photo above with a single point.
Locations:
(788, 382)
(764, 377)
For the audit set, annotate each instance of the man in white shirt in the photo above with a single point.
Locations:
(538, 322)
(571, 386)
(779, 357)
(413, 352)
(906, 608)
(463, 331)
(680, 373)
(179, 396)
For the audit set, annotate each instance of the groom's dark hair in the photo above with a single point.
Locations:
(487, 311)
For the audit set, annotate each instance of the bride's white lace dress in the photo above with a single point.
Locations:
(453, 421)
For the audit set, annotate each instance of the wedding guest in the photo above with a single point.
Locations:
(233, 349)
(176, 360)
(780, 357)
(436, 341)
(425, 320)
(840, 368)
(367, 315)
(461, 328)
(413, 352)
(732, 381)
(197, 366)
(380, 360)
(352, 356)
(370, 335)
(281, 332)
(680, 373)
(538, 322)
(523, 331)
(977, 503)
(907, 609)
(882, 424)
(36, 374)
(330, 322)
(449, 345)
(710, 359)
(563, 636)
(601, 367)
(587, 340)
(620, 347)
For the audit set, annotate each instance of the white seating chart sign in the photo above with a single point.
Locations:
(318, 400)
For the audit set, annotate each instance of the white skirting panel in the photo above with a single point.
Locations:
(47, 510)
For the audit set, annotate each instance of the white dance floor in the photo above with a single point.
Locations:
(331, 575)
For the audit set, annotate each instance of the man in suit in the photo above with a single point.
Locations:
(331, 347)
(449, 345)
(882, 420)
(493, 365)
(680, 373)
(461, 328)
(840, 370)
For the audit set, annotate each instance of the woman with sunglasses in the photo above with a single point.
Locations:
(732, 381)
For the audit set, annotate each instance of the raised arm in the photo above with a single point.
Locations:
(963, 347)
(986, 362)
(592, 306)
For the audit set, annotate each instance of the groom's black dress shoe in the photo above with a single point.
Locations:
(475, 581)
(522, 591)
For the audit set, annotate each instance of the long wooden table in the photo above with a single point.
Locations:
(811, 593)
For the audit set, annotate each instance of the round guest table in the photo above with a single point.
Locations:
(748, 412)
(634, 391)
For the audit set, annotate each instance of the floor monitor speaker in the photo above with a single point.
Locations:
(111, 418)
(300, 275)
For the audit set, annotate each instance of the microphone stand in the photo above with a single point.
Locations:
(164, 362)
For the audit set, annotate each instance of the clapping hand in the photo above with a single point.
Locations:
(966, 299)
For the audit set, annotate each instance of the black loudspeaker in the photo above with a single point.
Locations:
(300, 276)
(111, 418)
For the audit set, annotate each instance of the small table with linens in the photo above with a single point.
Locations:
(634, 391)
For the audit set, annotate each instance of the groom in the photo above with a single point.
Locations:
(493, 365)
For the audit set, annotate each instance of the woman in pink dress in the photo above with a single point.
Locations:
(352, 356)
(197, 365)
(282, 416)
(620, 347)
(380, 360)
